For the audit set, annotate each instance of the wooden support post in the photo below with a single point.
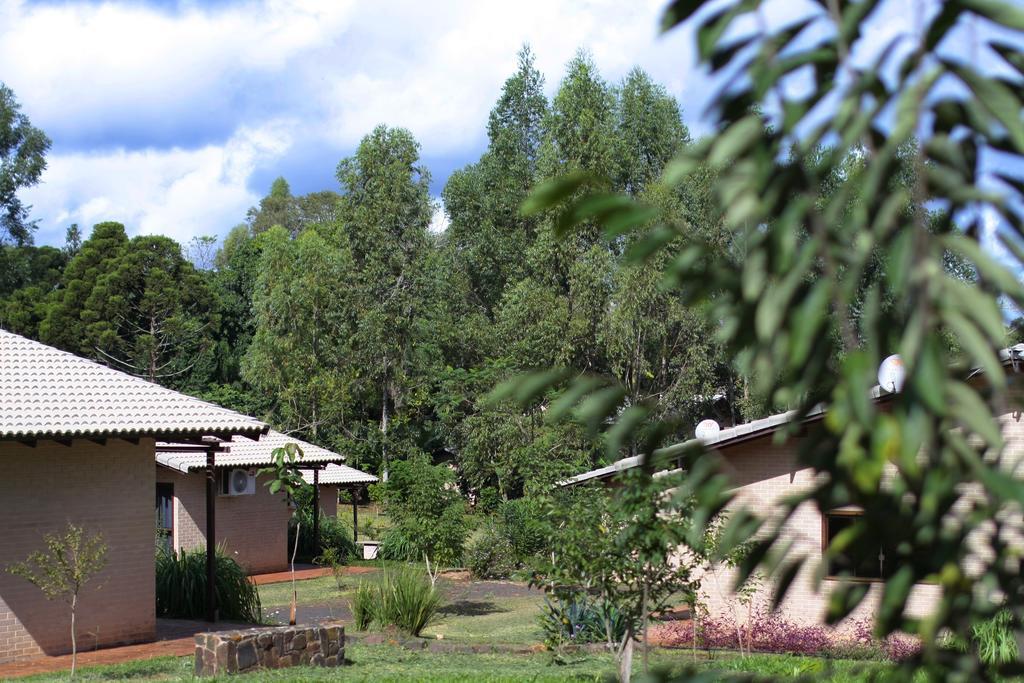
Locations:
(355, 514)
(211, 537)
(316, 513)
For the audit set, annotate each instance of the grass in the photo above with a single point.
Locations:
(496, 620)
(382, 663)
(310, 592)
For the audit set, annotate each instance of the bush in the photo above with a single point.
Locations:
(334, 535)
(773, 633)
(363, 604)
(395, 544)
(490, 555)
(994, 639)
(330, 557)
(181, 587)
(403, 598)
(521, 524)
(441, 538)
(514, 536)
(428, 513)
(577, 619)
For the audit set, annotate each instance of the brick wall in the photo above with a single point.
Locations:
(764, 471)
(253, 529)
(329, 500)
(107, 489)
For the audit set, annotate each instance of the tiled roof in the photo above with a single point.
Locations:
(340, 474)
(243, 452)
(48, 393)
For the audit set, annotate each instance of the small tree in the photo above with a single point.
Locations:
(621, 548)
(70, 560)
(285, 477)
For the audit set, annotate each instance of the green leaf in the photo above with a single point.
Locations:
(894, 598)
(624, 429)
(525, 388)
(677, 12)
(736, 139)
(971, 411)
(568, 399)
(552, 192)
(599, 406)
(978, 347)
(997, 98)
(1005, 14)
(988, 267)
(844, 598)
(785, 580)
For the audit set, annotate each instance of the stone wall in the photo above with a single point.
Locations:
(278, 647)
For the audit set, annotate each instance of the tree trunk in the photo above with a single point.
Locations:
(295, 596)
(384, 428)
(74, 641)
(644, 629)
(626, 658)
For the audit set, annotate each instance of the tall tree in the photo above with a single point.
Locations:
(23, 150)
(649, 132)
(386, 210)
(277, 208)
(63, 325)
(151, 314)
(486, 233)
(300, 353)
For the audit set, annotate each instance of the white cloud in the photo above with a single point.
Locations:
(83, 68)
(439, 220)
(176, 192)
(157, 111)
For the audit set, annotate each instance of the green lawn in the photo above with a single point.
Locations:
(310, 591)
(382, 663)
(483, 619)
(498, 620)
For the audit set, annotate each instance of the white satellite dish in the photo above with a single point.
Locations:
(891, 373)
(706, 430)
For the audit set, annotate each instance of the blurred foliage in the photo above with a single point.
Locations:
(859, 202)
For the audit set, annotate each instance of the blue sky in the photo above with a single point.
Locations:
(174, 117)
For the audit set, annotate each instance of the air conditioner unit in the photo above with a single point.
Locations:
(238, 482)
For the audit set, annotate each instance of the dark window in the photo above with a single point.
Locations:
(864, 560)
(165, 515)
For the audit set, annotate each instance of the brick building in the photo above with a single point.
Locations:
(77, 442)
(252, 524)
(764, 468)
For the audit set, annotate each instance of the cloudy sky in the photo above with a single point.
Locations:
(174, 117)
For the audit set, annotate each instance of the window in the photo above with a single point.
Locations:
(866, 561)
(165, 515)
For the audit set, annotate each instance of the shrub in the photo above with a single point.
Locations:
(490, 555)
(995, 640)
(428, 513)
(334, 535)
(362, 604)
(489, 499)
(404, 598)
(181, 587)
(521, 524)
(330, 557)
(773, 633)
(577, 619)
(441, 538)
